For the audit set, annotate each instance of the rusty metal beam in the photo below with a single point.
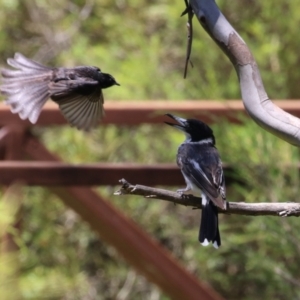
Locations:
(135, 113)
(45, 173)
(141, 251)
(57, 173)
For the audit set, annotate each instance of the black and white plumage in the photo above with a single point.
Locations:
(77, 91)
(201, 167)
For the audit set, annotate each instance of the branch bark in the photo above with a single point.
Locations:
(281, 209)
(262, 110)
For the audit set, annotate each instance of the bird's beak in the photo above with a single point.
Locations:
(117, 83)
(181, 122)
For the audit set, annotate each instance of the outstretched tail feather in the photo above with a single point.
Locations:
(21, 62)
(209, 227)
(27, 75)
(26, 88)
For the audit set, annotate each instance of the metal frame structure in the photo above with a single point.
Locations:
(72, 183)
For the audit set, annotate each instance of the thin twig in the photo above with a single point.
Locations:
(189, 25)
(281, 209)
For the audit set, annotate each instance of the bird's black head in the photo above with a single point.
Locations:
(195, 130)
(107, 80)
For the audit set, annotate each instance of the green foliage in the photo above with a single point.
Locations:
(9, 238)
(143, 46)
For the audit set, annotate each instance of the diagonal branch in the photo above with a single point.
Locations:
(256, 101)
(281, 209)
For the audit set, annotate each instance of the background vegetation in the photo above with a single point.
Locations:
(143, 45)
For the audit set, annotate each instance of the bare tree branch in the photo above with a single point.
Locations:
(256, 101)
(281, 209)
(189, 25)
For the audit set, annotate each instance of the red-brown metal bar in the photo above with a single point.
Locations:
(136, 113)
(46, 173)
(136, 247)
(57, 173)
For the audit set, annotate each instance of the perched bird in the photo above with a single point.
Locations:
(202, 170)
(77, 91)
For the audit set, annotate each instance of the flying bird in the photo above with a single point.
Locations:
(201, 168)
(77, 91)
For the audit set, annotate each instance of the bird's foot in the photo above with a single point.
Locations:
(181, 192)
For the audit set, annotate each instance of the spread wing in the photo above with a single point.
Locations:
(204, 169)
(80, 101)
